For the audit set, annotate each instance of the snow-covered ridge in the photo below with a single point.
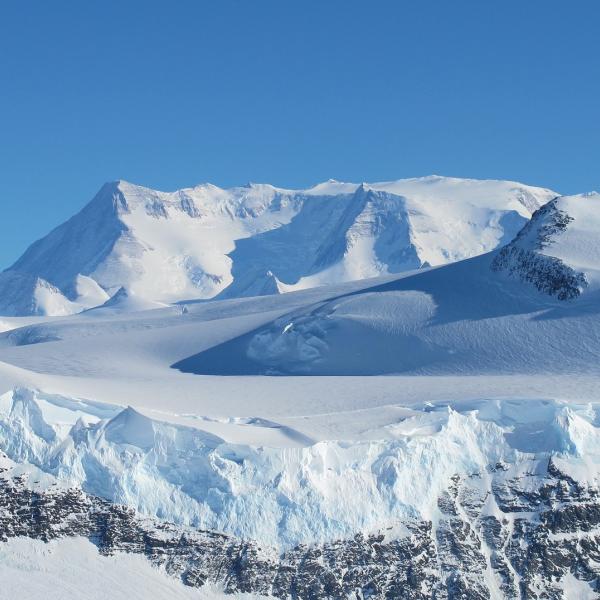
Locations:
(558, 251)
(206, 241)
(285, 496)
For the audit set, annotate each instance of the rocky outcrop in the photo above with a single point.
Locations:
(524, 258)
(520, 536)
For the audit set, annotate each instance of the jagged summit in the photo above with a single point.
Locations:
(558, 251)
(205, 241)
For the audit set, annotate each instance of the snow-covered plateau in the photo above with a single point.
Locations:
(417, 416)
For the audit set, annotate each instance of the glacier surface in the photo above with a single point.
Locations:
(285, 496)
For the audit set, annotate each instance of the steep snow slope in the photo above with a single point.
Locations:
(255, 240)
(559, 250)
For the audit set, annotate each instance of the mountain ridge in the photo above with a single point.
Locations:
(452, 442)
(205, 242)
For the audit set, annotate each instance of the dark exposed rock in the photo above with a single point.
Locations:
(539, 530)
(521, 258)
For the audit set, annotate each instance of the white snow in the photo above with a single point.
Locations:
(299, 493)
(574, 589)
(204, 241)
(73, 568)
(422, 375)
(124, 300)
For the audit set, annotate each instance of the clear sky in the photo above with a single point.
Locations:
(171, 94)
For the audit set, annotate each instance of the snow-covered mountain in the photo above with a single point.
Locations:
(207, 242)
(558, 251)
(530, 306)
(448, 449)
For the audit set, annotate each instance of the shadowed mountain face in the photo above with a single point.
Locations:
(204, 242)
(531, 306)
(361, 233)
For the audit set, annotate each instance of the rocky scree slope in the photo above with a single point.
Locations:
(541, 543)
(479, 500)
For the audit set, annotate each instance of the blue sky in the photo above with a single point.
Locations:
(170, 94)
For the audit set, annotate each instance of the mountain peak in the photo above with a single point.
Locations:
(110, 197)
(165, 247)
(558, 251)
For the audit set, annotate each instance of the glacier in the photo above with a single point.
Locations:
(287, 496)
(426, 433)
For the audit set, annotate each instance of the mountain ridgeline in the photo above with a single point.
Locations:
(206, 242)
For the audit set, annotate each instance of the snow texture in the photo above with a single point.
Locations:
(461, 398)
(73, 568)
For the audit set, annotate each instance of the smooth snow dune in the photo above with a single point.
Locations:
(11, 376)
(9, 323)
(462, 318)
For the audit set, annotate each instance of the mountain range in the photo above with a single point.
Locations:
(206, 242)
(405, 407)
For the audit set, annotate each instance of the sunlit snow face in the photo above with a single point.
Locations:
(207, 242)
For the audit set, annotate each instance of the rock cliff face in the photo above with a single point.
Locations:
(541, 540)
(557, 250)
